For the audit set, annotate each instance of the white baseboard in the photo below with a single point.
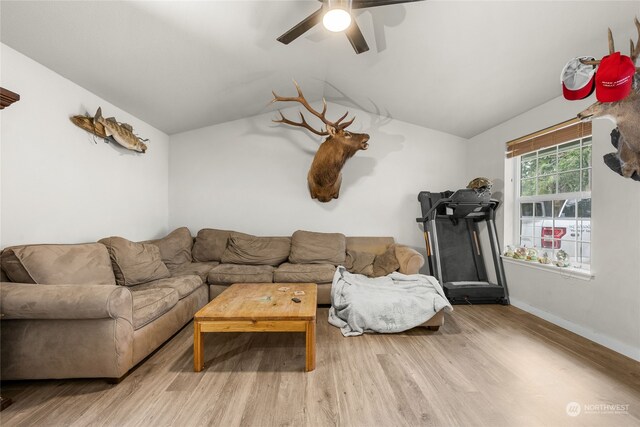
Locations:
(613, 344)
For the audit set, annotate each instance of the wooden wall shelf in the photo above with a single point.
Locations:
(7, 98)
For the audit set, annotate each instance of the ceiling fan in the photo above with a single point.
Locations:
(336, 16)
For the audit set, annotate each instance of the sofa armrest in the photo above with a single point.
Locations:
(29, 301)
(409, 259)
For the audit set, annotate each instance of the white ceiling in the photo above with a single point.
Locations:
(457, 67)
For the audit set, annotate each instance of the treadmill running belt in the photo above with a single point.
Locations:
(456, 252)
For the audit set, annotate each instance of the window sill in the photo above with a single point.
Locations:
(569, 272)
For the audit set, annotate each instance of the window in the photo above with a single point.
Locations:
(554, 200)
(552, 176)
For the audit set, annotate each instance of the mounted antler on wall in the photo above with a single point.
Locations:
(325, 174)
(626, 114)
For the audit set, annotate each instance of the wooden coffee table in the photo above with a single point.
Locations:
(259, 307)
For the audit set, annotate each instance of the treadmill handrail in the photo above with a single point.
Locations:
(433, 208)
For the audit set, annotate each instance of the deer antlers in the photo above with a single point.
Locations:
(337, 125)
(635, 49)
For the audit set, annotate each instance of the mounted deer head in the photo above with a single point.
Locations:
(625, 113)
(325, 175)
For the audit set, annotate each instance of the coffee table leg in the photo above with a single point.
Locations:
(198, 351)
(311, 346)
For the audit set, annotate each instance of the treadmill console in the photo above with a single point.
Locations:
(464, 203)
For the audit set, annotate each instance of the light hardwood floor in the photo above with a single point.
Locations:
(488, 365)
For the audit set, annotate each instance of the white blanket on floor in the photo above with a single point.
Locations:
(388, 304)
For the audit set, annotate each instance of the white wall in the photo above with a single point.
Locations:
(251, 175)
(57, 185)
(607, 308)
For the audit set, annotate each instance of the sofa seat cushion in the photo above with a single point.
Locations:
(183, 285)
(135, 263)
(201, 269)
(256, 250)
(311, 273)
(175, 247)
(236, 273)
(81, 264)
(308, 247)
(151, 303)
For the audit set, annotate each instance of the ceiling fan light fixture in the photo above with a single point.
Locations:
(338, 16)
(336, 20)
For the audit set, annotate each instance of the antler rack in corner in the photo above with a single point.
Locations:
(7, 98)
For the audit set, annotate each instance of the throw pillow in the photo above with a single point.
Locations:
(243, 249)
(135, 263)
(386, 263)
(317, 248)
(360, 262)
(13, 268)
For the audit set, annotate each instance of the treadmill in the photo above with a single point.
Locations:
(454, 250)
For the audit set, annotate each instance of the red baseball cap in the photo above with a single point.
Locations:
(614, 78)
(578, 79)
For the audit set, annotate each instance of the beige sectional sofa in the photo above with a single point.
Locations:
(225, 257)
(71, 316)
(98, 309)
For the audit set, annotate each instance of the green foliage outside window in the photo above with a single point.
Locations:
(562, 169)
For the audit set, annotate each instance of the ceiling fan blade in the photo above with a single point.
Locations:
(302, 27)
(356, 38)
(362, 4)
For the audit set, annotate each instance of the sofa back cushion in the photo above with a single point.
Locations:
(308, 247)
(242, 249)
(210, 244)
(135, 263)
(374, 245)
(175, 247)
(59, 264)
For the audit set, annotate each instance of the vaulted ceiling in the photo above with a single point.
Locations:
(457, 67)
